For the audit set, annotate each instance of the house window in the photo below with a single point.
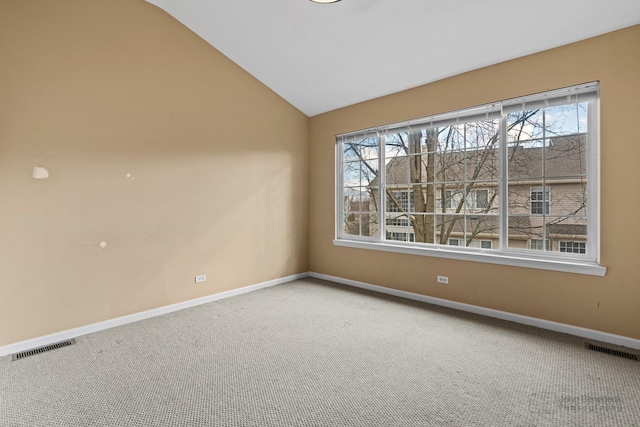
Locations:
(573, 247)
(402, 237)
(479, 178)
(398, 222)
(400, 201)
(480, 199)
(475, 199)
(537, 245)
(540, 201)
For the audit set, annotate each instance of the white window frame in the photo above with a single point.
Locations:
(546, 260)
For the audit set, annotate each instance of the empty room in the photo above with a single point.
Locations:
(319, 213)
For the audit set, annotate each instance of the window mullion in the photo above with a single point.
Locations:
(544, 181)
(339, 190)
(593, 180)
(503, 210)
(465, 194)
(382, 185)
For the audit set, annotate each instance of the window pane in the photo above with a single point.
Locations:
(567, 228)
(358, 199)
(482, 164)
(448, 227)
(569, 197)
(521, 229)
(360, 173)
(566, 157)
(360, 149)
(481, 154)
(453, 197)
(418, 198)
(401, 144)
(422, 227)
(351, 174)
(449, 166)
(481, 135)
(397, 170)
(481, 227)
(524, 162)
(361, 224)
(370, 225)
(519, 195)
(352, 198)
(525, 125)
(351, 223)
(566, 119)
(450, 138)
(421, 168)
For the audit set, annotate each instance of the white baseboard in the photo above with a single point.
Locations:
(526, 320)
(517, 318)
(95, 327)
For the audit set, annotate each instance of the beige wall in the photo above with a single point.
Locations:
(609, 304)
(184, 164)
(95, 90)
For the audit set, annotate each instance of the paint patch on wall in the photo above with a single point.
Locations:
(103, 244)
(40, 173)
(128, 175)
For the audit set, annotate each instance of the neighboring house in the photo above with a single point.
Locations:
(547, 199)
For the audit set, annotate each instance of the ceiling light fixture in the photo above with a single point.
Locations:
(325, 1)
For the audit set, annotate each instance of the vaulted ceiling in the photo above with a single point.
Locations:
(320, 57)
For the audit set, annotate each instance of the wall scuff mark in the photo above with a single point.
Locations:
(40, 172)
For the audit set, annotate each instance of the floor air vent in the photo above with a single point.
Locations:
(610, 351)
(39, 350)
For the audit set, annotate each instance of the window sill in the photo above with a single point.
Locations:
(487, 256)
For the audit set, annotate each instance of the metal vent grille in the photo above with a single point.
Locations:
(39, 350)
(612, 352)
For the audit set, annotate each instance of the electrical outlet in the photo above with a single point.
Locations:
(201, 278)
(443, 279)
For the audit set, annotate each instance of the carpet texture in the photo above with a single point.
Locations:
(313, 353)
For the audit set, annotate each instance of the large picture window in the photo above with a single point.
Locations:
(479, 182)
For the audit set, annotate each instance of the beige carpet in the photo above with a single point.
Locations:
(312, 353)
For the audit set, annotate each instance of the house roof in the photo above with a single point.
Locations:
(323, 57)
(568, 229)
(565, 156)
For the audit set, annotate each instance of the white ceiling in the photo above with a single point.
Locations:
(320, 57)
